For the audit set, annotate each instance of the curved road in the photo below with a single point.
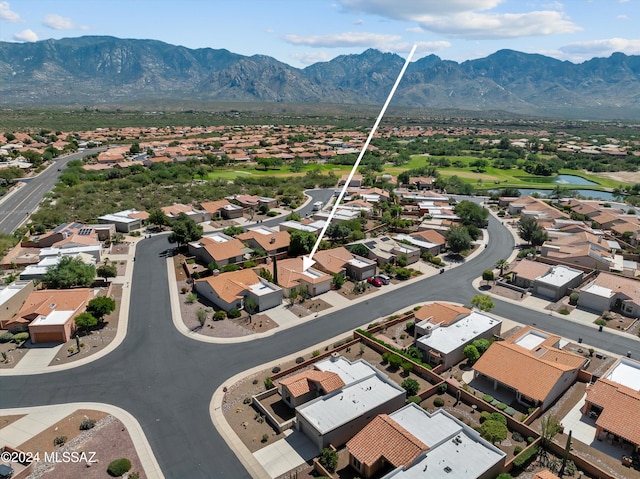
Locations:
(167, 380)
(19, 204)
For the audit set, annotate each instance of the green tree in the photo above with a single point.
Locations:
(458, 239)
(301, 243)
(402, 260)
(493, 431)
(233, 230)
(530, 231)
(502, 264)
(481, 345)
(184, 230)
(135, 148)
(549, 427)
(101, 306)
(329, 459)
(487, 275)
(107, 271)
(337, 281)
(85, 320)
(471, 353)
(360, 250)
(411, 386)
(201, 316)
(69, 273)
(338, 231)
(251, 307)
(157, 217)
(538, 237)
(483, 302)
(471, 213)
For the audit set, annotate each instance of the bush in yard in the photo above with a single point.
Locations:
(247, 400)
(118, 467)
(191, 298)
(234, 313)
(329, 459)
(487, 398)
(59, 440)
(487, 275)
(230, 267)
(496, 416)
(406, 367)
(299, 360)
(403, 273)
(438, 402)
(573, 299)
(268, 383)
(18, 338)
(414, 399)
(524, 458)
(501, 406)
(6, 337)
(484, 415)
(271, 214)
(471, 353)
(395, 361)
(517, 450)
(411, 386)
(505, 475)
(443, 388)
(265, 437)
(87, 424)
(493, 431)
(517, 437)
(219, 315)
(275, 370)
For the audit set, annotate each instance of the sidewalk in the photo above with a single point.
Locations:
(40, 418)
(36, 358)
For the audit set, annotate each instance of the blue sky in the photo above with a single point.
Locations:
(302, 32)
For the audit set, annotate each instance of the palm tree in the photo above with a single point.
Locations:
(502, 264)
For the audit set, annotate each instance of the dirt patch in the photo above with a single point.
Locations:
(309, 306)
(6, 420)
(120, 248)
(109, 440)
(96, 339)
(69, 426)
(619, 322)
(13, 351)
(348, 291)
(630, 177)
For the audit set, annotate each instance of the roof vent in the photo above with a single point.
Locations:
(272, 240)
(334, 357)
(447, 469)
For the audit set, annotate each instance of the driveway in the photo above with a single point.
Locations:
(286, 454)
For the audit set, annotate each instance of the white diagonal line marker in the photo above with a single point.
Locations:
(307, 261)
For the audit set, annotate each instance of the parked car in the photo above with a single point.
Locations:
(383, 277)
(375, 281)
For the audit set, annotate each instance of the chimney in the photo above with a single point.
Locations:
(272, 240)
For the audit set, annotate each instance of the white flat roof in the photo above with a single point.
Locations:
(414, 241)
(116, 218)
(360, 263)
(627, 373)
(263, 230)
(8, 292)
(349, 372)
(431, 429)
(531, 340)
(326, 413)
(296, 225)
(260, 288)
(598, 290)
(559, 275)
(461, 332)
(53, 318)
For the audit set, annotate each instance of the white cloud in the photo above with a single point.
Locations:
(359, 21)
(347, 39)
(309, 58)
(606, 46)
(622, 17)
(468, 18)
(58, 22)
(506, 25)
(27, 35)
(424, 48)
(7, 14)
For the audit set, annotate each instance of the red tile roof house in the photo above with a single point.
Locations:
(307, 385)
(337, 416)
(272, 242)
(416, 443)
(49, 314)
(218, 248)
(547, 281)
(341, 261)
(229, 290)
(615, 400)
(531, 364)
(199, 216)
(611, 292)
(291, 275)
(12, 297)
(215, 208)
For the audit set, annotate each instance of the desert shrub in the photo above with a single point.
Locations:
(406, 367)
(487, 398)
(570, 468)
(403, 273)
(436, 260)
(601, 322)
(118, 467)
(246, 400)
(6, 337)
(265, 437)
(501, 406)
(505, 475)
(517, 450)
(184, 289)
(299, 360)
(395, 361)
(517, 437)
(87, 424)
(329, 459)
(411, 386)
(496, 416)
(230, 267)
(19, 337)
(59, 440)
(234, 313)
(484, 415)
(438, 402)
(191, 298)
(524, 458)
(414, 399)
(276, 370)
(271, 214)
(249, 264)
(443, 388)
(564, 311)
(268, 383)
(530, 439)
(315, 353)
(219, 315)
(573, 298)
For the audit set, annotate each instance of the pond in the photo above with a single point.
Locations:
(558, 180)
(598, 195)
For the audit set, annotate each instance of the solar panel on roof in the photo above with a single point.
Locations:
(85, 231)
(385, 238)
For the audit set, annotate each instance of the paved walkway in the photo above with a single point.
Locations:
(36, 358)
(41, 418)
(286, 454)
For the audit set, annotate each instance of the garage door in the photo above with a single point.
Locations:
(546, 292)
(47, 337)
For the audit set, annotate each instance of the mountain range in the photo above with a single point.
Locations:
(94, 70)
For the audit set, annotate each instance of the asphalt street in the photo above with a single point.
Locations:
(16, 208)
(166, 380)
